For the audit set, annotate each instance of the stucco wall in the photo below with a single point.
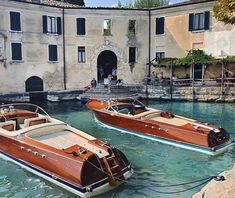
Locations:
(34, 49)
(175, 43)
(80, 74)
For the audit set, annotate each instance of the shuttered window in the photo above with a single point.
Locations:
(81, 55)
(51, 25)
(15, 21)
(53, 56)
(160, 25)
(16, 51)
(81, 26)
(199, 21)
(132, 54)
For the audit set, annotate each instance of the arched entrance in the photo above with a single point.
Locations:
(34, 85)
(106, 64)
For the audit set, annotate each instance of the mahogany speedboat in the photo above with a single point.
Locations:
(161, 126)
(58, 152)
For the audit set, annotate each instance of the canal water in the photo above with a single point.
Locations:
(154, 163)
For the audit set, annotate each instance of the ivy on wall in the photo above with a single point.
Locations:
(194, 56)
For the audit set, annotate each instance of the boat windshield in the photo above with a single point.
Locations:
(10, 108)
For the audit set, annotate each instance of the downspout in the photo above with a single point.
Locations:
(4, 53)
(64, 60)
(148, 65)
(149, 42)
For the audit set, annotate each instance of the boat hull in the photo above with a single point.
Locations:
(162, 126)
(209, 151)
(88, 191)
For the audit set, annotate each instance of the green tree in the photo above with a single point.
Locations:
(144, 3)
(119, 4)
(224, 11)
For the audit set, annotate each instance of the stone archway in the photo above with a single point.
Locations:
(106, 64)
(33, 83)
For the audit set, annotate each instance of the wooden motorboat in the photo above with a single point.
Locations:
(161, 126)
(58, 152)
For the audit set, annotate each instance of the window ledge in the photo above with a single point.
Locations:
(15, 31)
(78, 35)
(53, 62)
(159, 35)
(198, 31)
(52, 34)
(16, 61)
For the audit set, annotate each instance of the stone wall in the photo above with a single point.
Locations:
(205, 94)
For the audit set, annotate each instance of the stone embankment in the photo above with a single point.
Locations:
(205, 94)
(199, 93)
(219, 189)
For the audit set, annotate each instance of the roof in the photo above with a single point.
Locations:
(56, 3)
(70, 4)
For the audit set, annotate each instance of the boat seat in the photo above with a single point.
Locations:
(34, 121)
(8, 125)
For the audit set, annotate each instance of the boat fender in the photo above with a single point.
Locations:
(89, 189)
(166, 114)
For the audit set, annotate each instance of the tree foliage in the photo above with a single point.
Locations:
(195, 56)
(224, 11)
(143, 3)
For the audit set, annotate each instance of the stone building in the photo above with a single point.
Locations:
(49, 47)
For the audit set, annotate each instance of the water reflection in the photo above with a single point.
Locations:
(153, 162)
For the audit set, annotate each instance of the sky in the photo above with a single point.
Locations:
(111, 3)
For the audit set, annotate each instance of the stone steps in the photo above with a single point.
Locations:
(117, 92)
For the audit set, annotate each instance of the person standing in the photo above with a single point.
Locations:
(109, 82)
(153, 78)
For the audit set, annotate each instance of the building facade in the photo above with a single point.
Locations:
(49, 48)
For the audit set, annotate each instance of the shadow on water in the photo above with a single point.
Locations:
(153, 162)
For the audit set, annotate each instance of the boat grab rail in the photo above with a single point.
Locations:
(32, 128)
(5, 108)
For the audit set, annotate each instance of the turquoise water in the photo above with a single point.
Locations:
(153, 162)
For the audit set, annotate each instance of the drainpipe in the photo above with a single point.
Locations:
(148, 65)
(149, 42)
(4, 53)
(64, 60)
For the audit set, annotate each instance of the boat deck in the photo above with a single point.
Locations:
(65, 138)
(172, 121)
(60, 140)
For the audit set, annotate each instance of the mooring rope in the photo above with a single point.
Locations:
(203, 180)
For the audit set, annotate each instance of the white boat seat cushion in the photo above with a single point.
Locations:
(8, 125)
(34, 121)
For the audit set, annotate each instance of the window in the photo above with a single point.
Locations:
(15, 21)
(131, 28)
(132, 54)
(16, 51)
(160, 25)
(107, 27)
(199, 21)
(81, 26)
(81, 55)
(160, 55)
(53, 57)
(51, 25)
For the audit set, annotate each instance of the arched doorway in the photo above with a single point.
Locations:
(34, 85)
(106, 64)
